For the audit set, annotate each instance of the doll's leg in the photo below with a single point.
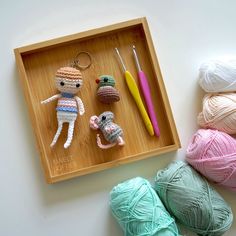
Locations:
(120, 141)
(57, 133)
(70, 134)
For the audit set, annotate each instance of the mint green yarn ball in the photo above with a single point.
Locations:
(192, 201)
(139, 210)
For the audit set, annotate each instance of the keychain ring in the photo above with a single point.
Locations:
(76, 62)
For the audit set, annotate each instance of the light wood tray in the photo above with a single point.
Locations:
(37, 64)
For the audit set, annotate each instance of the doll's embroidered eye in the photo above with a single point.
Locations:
(105, 79)
(62, 83)
(77, 85)
(103, 117)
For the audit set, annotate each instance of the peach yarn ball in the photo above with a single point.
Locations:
(219, 112)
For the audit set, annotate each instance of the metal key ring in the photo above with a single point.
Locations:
(76, 62)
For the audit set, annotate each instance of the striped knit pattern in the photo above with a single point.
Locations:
(69, 73)
(66, 117)
(108, 94)
(107, 123)
(67, 103)
(106, 80)
(112, 137)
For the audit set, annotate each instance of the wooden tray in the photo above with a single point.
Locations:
(37, 64)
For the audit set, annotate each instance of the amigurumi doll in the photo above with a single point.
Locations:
(68, 81)
(106, 92)
(111, 131)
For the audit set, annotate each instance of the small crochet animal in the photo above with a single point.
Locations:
(111, 131)
(68, 81)
(106, 92)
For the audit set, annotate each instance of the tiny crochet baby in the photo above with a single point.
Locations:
(111, 131)
(68, 81)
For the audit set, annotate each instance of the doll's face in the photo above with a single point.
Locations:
(68, 85)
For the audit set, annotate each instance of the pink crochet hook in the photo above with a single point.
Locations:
(147, 94)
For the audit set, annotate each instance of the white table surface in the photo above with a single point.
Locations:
(185, 33)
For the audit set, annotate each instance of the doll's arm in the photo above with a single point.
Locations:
(54, 97)
(80, 105)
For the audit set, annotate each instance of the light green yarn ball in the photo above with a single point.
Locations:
(193, 202)
(139, 210)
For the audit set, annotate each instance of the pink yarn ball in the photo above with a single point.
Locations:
(219, 112)
(213, 154)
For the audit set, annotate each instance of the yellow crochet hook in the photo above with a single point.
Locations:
(133, 88)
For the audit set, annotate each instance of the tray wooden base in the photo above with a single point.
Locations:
(37, 65)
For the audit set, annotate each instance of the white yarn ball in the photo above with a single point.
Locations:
(218, 76)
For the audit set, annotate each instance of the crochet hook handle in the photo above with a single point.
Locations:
(147, 94)
(133, 88)
(148, 99)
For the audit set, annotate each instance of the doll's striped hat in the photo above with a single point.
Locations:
(69, 73)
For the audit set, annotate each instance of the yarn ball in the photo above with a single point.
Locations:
(219, 112)
(139, 210)
(108, 94)
(193, 202)
(218, 76)
(213, 154)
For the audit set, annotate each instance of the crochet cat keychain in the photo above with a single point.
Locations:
(68, 81)
(111, 131)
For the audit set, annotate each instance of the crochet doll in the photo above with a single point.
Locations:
(68, 81)
(111, 131)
